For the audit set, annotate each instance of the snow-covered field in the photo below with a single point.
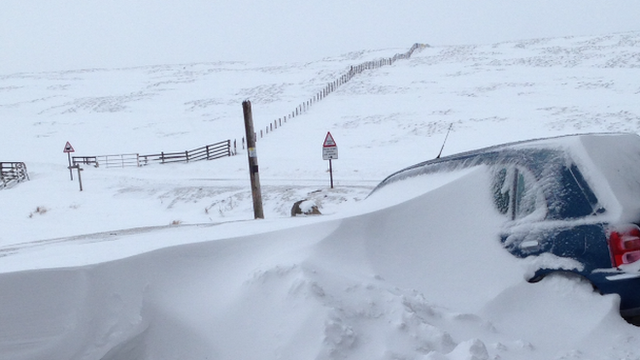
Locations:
(166, 261)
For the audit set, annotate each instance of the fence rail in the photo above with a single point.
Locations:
(207, 152)
(12, 173)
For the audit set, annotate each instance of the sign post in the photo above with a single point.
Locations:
(330, 152)
(77, 167)
(68, 149)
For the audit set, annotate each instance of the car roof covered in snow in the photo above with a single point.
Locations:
(609, 162)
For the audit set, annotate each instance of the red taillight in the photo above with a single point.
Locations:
(624, 244)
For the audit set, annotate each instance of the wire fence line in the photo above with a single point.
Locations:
(227, 147)
(333, 86)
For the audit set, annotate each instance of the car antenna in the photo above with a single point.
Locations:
(445, 141)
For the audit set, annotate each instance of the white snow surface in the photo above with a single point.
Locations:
(167, 261)
(41, 35)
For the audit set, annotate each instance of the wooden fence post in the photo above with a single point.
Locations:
(253, 161)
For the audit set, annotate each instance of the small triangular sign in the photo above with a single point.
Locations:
(68, 148)
(328, 141)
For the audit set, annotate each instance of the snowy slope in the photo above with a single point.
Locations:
(103, 273)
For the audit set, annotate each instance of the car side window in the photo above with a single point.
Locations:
(514, 192)
(525, 196)
(501, 192)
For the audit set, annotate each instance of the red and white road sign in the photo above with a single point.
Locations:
(329, 148)
(68, 148)
(328, 141)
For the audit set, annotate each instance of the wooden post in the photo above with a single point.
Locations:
(77, 167)
(331, 173)
(70, 169)
(253, 161)
(79, 177)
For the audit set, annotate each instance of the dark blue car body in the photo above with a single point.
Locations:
(574, 199)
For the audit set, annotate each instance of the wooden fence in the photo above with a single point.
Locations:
(223, 148)
(108, 161)
(207, 152)
(12, 173)
(333, 86)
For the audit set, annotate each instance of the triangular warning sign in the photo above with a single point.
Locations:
(328, 141)
(68, 148)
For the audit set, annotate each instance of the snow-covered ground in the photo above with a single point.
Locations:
(166, 261)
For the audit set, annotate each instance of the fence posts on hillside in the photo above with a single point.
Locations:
(223, 148)
(341, 80)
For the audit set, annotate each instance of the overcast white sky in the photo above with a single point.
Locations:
(38, 35)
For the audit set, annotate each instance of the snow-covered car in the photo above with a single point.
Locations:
(572, 201)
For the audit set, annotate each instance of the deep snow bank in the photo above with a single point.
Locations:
(403, 281)
(158, 305)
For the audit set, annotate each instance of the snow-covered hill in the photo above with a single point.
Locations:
(165, 261)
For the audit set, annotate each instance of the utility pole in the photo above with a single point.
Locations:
(253, 160)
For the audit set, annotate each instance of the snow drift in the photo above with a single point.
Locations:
(103, 275)
(400, 281)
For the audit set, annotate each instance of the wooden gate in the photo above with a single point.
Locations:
(12, 173)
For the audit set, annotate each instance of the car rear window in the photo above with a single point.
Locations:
(574, 198)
